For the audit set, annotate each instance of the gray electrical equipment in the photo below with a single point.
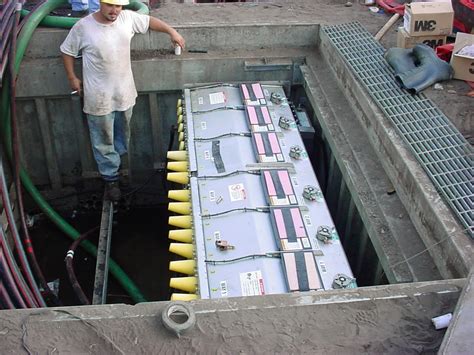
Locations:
(254, 232)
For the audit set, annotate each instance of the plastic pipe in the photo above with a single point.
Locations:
(24, 37)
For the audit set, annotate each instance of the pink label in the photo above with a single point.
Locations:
(269, 181)
(292, 274)
(252, 114)
(285, 182)
(274, 143)
(312, 272)
(257, 89)
(245, 91)
(298, 223)
(280, 224)
(266, 115)
(259, 142)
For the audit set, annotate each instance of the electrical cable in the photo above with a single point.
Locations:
(5, 299)
(20, 283)
(8, 281)
(264, 209)
(70, 267)
(7, 207)
(223, 136)
(16, 170)
(236, 172)
(275, 254)
(240, 108)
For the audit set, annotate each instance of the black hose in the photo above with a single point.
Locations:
(70, 267)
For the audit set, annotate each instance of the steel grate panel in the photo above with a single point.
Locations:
(442, 151)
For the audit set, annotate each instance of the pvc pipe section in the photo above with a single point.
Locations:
(5, 126)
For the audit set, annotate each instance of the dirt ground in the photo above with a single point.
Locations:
(453, 99)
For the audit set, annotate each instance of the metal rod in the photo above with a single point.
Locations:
(103, 253)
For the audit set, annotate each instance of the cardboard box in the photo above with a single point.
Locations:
(404, 40)
(428, 18)
(463, 65)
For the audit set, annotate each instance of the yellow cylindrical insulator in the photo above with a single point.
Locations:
(180, 221)
(183, 266)
(181, 235)
(180, 119)
(181, 136)
(188, 284)
(177, 155)
(179, 103)
(181, 127)
(182, 249)
(179, 110)
(183, 297)
(182, 146)
(180, 178)
(177, 166)
(180, 207)
(179, 195)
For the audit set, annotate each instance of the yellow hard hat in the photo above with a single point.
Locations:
(116, 2)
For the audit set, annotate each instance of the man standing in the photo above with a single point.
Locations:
(109, 90)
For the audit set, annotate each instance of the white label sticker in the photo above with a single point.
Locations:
(266, 92)
(217, 98)
(212, 195)
(203, 125)
(252, 283)
(217, 235)
(322, 265)
(307, 220)
(207, 155)
(224, 292)
(201, 100)
(237, 192)
(295, 181)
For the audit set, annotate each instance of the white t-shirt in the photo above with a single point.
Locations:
(106, 65)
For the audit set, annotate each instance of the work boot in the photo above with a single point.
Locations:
(112, 191)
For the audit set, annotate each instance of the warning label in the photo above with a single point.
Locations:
(216, 98)
(252, 283)
(237, 192)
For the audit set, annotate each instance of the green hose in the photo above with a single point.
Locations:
(5, 125)
(68, 22)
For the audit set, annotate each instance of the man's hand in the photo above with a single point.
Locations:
(177, 39)
(76, 85)
(74, 81)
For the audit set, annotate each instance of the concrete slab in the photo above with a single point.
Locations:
(384, 319)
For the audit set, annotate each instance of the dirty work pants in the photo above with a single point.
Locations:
(110, 136)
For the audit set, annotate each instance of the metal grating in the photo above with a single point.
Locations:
(439, 147)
